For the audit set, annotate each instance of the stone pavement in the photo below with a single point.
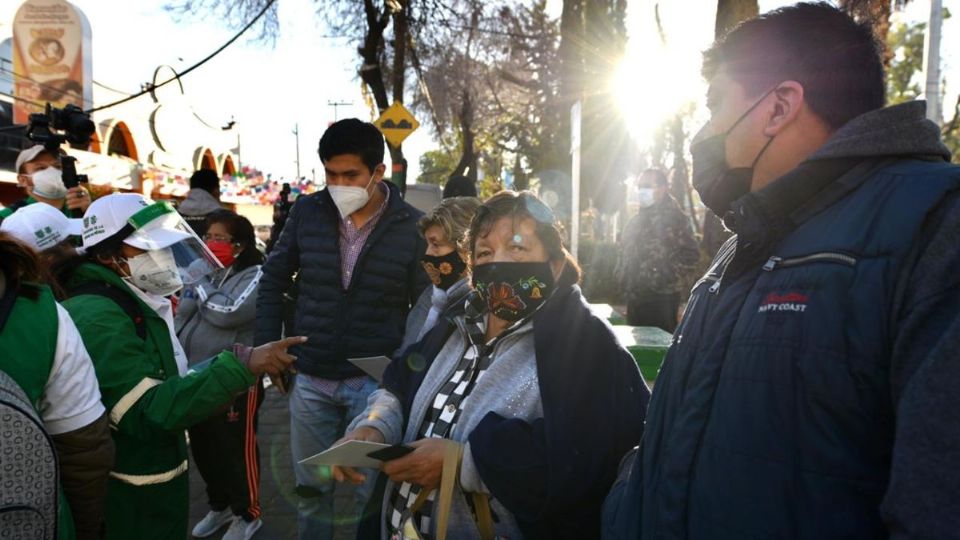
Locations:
(276, 479)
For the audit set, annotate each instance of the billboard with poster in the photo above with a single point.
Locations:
(52, 60)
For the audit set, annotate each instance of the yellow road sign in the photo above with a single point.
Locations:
(396, 123)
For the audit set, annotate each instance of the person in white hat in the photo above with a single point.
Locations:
(45, 229)
(139, 252)
(40, 176)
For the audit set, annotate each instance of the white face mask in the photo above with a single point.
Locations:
(48, 183)
(349, 199)
(647, 197)
(155, 272)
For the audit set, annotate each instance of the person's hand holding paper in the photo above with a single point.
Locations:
(342, 474)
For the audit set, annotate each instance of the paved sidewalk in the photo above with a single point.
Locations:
(276, 479)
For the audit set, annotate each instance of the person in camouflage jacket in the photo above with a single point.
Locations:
(657, 251)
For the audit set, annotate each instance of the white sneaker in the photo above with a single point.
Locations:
(241, 530)
(212, 522)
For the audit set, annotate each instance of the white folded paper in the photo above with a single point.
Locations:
(372, 365)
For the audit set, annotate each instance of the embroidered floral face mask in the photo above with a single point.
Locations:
(513, 290)
(444, 270)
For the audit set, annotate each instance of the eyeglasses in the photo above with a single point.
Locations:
(217, 238)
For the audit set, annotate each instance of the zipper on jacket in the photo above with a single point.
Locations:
(832, 257)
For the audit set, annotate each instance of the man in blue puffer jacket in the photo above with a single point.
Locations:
(355, 251)
(811, 389)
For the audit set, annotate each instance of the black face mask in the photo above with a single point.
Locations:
(513, 290)
(444, 270)
(717, 183)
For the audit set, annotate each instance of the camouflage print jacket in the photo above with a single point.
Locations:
(658, 251)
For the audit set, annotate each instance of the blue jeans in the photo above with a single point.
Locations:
(316, 422)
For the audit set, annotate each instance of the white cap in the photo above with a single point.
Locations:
(40, 226)
(28, 155)
(107, 215)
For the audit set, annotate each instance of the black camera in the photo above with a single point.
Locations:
(76, 127)
(44, 128)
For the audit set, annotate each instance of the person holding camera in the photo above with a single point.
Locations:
(40, 176)
(139, 253)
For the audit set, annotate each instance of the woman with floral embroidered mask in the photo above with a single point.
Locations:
(525, 377)
(445, 262)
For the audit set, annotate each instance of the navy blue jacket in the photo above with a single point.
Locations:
(776, 412)
(367, 318)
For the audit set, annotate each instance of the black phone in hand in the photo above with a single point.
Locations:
(390, 453)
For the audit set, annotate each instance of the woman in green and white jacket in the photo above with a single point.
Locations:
(138, 253)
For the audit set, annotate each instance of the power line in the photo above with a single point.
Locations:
(110, 88)
(102, 123)
(152, 87)
(25, 100)
(34, 81)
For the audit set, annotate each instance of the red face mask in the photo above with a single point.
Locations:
(223, 251)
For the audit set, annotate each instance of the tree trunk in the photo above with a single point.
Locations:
(370, 72)
(399, 173)
(468, 157)
(877, 14)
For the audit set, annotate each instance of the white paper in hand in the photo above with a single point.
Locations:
(348, 454)
(372, 365)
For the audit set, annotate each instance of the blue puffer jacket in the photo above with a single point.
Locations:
(774, 415)
(366, 319)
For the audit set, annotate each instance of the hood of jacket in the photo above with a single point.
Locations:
(897, 131)
(199, 202)
(845, 159)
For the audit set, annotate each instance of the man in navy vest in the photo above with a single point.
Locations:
(811, 389)
(355, 251)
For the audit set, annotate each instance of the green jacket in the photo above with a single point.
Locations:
(150, 405)
(28, 344)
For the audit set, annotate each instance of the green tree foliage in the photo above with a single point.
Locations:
(905, 43)
(436, 166)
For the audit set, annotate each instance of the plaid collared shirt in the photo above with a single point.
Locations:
(353, 239)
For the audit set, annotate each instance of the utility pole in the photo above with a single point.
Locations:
(931, 61)
(336, 105)
(296, 132)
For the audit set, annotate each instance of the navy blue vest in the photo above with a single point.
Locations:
(772, 416)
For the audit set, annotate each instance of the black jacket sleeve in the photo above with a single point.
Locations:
(86, 457)
(278, 271)
(921, 499)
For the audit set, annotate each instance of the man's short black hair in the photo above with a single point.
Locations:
(206, 180)
(837, 60)
(351, 136)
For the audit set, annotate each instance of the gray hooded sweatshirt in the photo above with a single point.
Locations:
(217, 312)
